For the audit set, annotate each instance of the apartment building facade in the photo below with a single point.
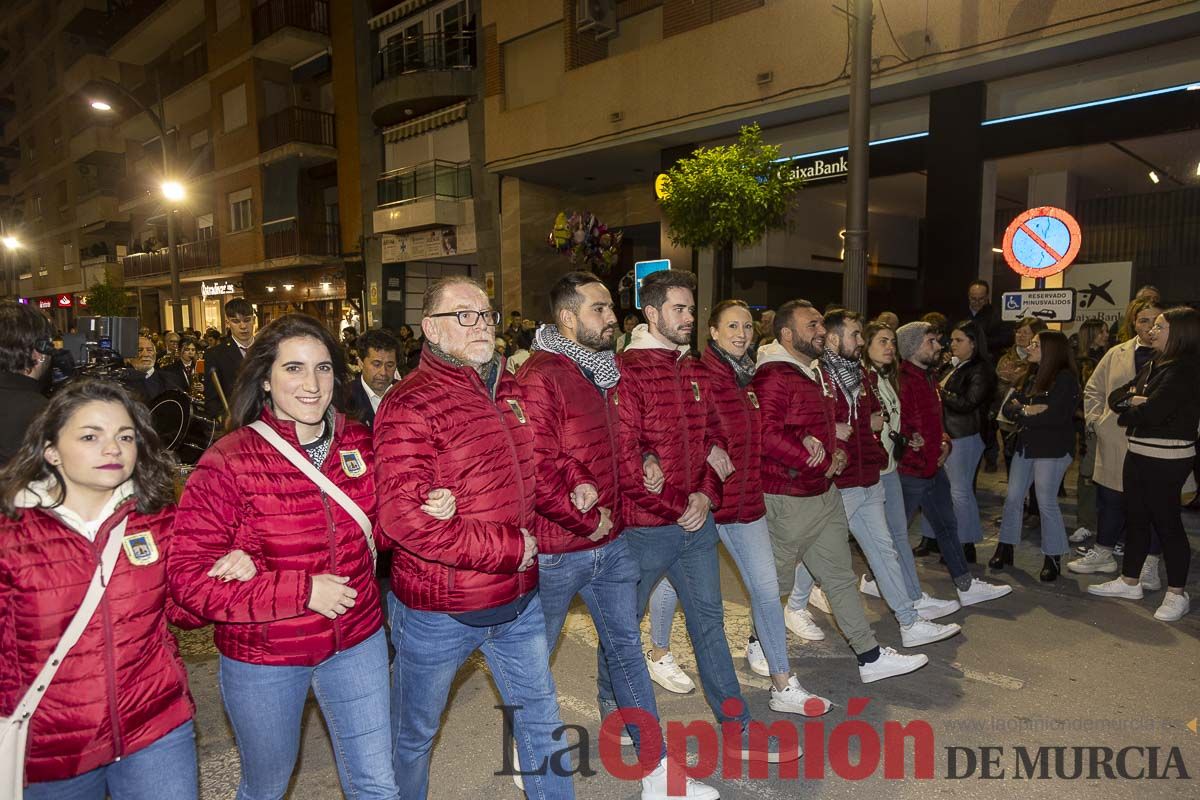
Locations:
(979, 111)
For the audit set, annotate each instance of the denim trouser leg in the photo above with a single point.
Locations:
(1020, 478)
(663, 601)
(750, 545)
(165, 768)
(265, 704)
(864, 513)
(690, 561)
(961, 466)
(893, 509)
(430, 648)
(932, 496)
(801, 589)
(606, 578)
(1045, 474)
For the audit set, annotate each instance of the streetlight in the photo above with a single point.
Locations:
(11, 243)
(172, 190)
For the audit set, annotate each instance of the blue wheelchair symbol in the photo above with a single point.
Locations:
(1012, 303)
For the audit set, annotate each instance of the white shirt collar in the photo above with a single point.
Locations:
(375, 399)
(43, 494)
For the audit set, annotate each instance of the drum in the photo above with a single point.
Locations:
(182, 430)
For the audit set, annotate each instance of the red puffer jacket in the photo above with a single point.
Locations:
(575, 440)
(865, 455)
(441, 427)
(245, 494)
(123, 686)
(920, 411)
(664, 411)
(796, 403)
(738, 411)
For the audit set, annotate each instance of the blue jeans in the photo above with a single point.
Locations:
(961, 466)
(430, 648)
(1045, 474)
(606, 577)
(166, 768)
(750, 545)
(689, 560)
(265, 705)
(932, 496)
(897, 520)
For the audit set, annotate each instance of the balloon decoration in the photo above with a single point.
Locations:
(587, 242)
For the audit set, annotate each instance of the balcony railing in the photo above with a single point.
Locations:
(172, 76)
(434, 51)
(440, 179)
(288, 237)
(274, 15)
(192, 255)
(295, 124)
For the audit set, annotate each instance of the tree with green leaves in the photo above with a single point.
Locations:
(107, 298)
(728, 195)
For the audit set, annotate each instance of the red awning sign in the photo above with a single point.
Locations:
(1041, 242)
(64, 301)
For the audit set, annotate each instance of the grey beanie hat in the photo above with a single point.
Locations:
(909, 338)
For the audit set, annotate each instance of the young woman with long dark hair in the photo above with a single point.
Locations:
(1160, 414)
(88, 504)
(1043, 407)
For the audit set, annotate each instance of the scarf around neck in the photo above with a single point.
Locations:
(489, 373)
(600, 366)
(743, 368)
(846, 372)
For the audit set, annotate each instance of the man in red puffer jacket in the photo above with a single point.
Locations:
(469, 582)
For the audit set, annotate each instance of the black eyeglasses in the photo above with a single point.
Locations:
(469, 319)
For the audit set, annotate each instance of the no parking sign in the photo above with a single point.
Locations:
(1041, 242)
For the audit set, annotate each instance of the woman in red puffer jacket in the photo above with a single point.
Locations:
(116, 717)
(726, 371)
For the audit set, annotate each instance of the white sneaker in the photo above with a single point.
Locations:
(1094, 560)
(925, 632)
(1116, 588)
(517, 779)
(654, 786)
(1149, 577)
(758, 661)
(818, 600)
(1173, 607)
(890, 664)
(795, 700)
(802, 624)
(868, 586)
(1081, 534)
(932, 608)
(667, 674)
(981, 592)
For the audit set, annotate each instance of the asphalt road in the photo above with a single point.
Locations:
(1046, 667)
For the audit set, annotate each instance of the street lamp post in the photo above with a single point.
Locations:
(171, 189)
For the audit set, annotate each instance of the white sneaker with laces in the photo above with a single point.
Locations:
(667, 674)
(932, 608)
(1081, 534)
(869, 587)
(818, 600)
(889, 665)
(794, 699)
(1116, 588)
(757, 659)
(802, 624)
(925, 632)
(1149, 578)
(654, 787)
(981, 592)
(1173, 607)
(1094, 560)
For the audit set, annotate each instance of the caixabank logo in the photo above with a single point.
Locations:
(852, 750)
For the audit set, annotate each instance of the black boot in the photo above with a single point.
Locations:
(1051, 567)
(926, 547)
(1002, 556)
(969, 552)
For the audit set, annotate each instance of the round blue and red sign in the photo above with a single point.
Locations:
(1041, 242)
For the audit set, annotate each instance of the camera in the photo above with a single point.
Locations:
(899, 444)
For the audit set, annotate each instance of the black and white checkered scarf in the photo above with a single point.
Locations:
(600, 366)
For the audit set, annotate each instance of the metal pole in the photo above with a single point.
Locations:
(172, 255)
(854, 276)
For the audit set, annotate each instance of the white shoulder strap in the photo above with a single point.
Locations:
(79, 623)
(301, 462)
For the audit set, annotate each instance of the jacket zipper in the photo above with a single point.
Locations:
(749, 440)
(512, 446)
(614, 447)
(110, 663)
(337, 626)
(687, 448)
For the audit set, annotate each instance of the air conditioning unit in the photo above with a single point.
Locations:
(597, 16)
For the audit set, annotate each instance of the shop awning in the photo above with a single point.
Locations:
(395, 12)
(415, 127)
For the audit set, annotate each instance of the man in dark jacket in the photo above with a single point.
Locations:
(377, 352)
(221, 363)
(998, 336)
(25, 348)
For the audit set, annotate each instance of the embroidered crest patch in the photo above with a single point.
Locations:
(140, 548)
(352, 463)
(517, 410)
(752, 397)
